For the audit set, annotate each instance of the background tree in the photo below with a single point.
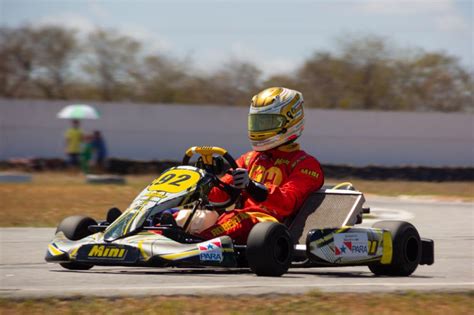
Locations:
(162, 79)
(364, 73)
(372, 76)
(111, 62)
(17, 58)
(235, 82)
(326, 82)
(434, 81)
(55, 49)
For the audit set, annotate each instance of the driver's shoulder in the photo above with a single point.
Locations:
(302, 158)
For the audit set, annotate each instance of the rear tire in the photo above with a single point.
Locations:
(406, 254)
(76, 227)
(269, 249)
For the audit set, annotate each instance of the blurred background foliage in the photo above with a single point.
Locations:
(367, 72)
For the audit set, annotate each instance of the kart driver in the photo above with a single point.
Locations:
(276, 177)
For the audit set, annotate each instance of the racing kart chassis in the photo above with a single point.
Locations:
(321, 234)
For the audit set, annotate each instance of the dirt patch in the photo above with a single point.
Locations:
(312, 303)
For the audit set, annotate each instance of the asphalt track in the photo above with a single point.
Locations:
(24, 272)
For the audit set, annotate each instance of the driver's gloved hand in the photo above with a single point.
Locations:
(241, 178)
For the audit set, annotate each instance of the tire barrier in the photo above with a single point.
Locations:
(105, 179)
(125, 166)
(411, 173)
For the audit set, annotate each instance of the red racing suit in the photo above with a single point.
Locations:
(289, 174)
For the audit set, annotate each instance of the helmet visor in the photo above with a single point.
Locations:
(266, 122)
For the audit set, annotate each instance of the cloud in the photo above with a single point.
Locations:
(443, 15)
(212, 60)
(68, 20)
(404, 7)
(268, 64)
(97, 10)
(152, 43)
(452, 23)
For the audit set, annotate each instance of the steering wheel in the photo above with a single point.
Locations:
(206, 154)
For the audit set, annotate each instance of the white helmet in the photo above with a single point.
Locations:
(276, 117)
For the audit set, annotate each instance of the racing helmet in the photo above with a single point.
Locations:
(276, 117)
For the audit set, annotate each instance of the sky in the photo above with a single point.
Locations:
(275, 35)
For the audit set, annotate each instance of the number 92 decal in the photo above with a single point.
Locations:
(175, 180)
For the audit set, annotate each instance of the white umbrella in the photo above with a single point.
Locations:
(78, 111)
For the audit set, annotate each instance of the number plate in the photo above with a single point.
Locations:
(175, 180)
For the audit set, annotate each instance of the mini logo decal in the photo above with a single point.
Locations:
(102, 251)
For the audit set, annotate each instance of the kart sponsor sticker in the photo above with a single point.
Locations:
(282, 162)
(211, 251)
(106, 252)
(309, 172)
(350, 244)
(109, 252)
(230, 224)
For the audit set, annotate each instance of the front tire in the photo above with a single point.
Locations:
(269, 249)
(406, 254)
(76, 227)
(76, 266)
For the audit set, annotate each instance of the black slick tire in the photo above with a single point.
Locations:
(113, 214)
(269, 249)
(406, 254)
(76, 266)
(75, 228)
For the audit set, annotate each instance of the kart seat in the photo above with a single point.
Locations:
(329, 207)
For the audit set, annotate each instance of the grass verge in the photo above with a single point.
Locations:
(311, 303)
(53, 196)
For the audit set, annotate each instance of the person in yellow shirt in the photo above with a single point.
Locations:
(73, 138)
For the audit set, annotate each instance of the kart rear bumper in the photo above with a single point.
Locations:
(427, 251)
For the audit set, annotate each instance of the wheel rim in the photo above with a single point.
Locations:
(282, 250)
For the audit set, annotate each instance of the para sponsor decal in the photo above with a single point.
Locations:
(210, 251)
(109, 252)
(350, 245)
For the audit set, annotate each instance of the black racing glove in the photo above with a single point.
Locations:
(257, 191)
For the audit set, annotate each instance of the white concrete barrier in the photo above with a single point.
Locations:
(157, 131)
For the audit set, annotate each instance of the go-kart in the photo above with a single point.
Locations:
(321, 234)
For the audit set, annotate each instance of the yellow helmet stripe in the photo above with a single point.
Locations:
(266, 97)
